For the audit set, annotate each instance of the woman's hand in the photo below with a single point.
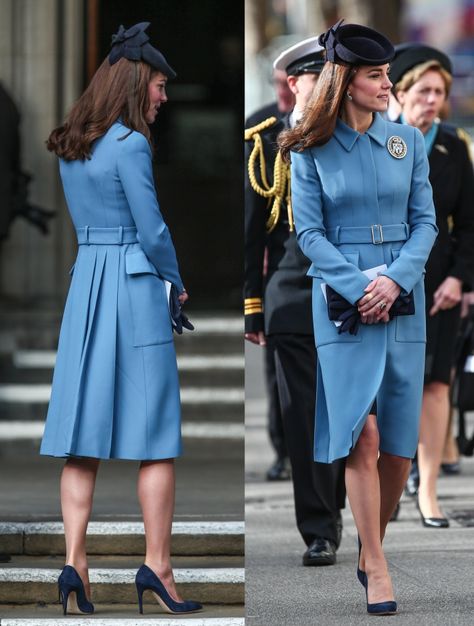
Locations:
(381, 293)
(448, 294)
(183, 297)
(371, 319)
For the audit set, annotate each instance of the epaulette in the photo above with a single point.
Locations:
(281, 174)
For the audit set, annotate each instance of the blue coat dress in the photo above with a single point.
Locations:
(115, 391)
(356, 206)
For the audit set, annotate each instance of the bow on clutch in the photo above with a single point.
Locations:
(340, 310)
(179, 319)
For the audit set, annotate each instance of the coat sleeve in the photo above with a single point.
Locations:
(255, 238)
(136, 174)
(306, 194)
(463, 222)
(408, 268)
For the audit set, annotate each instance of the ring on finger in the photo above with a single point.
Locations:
(382, 305)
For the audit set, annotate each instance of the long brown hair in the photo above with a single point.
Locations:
(321, 112)
(119, 90)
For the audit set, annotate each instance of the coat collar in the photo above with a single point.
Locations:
(347, 136)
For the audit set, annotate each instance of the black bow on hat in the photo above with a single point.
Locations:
(132, 44)
(352, 44)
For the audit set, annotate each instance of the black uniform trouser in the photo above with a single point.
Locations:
(275, 423)
(319, 488)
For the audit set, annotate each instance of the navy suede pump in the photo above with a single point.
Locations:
(376, 608)
(71, 588)
(147, 579)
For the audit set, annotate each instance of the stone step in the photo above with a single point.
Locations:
(36, 366)
(210, 585)
(124, 538)
(29, 402)
(39, 330)
(120, 615)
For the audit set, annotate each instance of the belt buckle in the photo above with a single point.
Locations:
(377, 237)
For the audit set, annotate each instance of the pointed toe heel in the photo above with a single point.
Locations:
(146, 579)
(432, 522)
(382, 608)
(69, 582)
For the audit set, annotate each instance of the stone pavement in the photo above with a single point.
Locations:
(432, 570)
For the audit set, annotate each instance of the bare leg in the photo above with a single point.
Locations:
(156, 486)
(433, 427)
(77, 490)
(393, 475)
(363, 490)
(450, 450)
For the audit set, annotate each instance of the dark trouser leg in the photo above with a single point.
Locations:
(275, 424)
(318, 487)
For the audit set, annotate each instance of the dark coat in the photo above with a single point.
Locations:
(285, 289)
(452, 179)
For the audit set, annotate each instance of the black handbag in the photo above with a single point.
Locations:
(179, 319)
(340, 310)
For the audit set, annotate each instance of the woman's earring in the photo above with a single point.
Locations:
(349, 97)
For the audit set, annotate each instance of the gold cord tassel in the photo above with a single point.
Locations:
(281, 175)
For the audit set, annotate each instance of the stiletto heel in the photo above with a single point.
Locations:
(361, 575)
(146, 579)
(140, 598)
(69, 582)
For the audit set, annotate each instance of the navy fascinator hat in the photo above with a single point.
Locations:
(133, 44)
(352, 44)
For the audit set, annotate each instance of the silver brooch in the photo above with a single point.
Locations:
(397, 147)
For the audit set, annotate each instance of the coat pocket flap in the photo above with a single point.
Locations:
(138, 263)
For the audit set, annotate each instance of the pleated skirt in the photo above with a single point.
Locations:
(115, 390)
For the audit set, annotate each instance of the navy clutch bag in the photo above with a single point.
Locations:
(179, 319)
(340, 310)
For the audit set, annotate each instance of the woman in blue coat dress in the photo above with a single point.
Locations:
(115, 391)
(362, 200)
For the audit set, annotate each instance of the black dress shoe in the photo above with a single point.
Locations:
(320, 552)
(280, 470)
(433, 522)
(5, 558)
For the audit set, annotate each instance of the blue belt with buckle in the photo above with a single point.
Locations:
(376, 233)
(106, 236)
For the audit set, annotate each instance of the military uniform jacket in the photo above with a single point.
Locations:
(452, 179)
(356, 206)
(282, 297)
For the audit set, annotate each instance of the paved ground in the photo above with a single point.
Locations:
(433, 570)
